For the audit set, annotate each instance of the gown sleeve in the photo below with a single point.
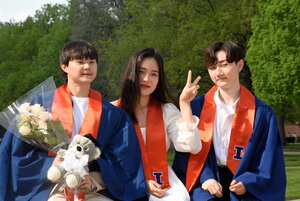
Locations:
(23, 170)
(120, 162)
(262, 168)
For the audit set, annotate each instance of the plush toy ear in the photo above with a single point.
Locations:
(96, 153)
(89, 136)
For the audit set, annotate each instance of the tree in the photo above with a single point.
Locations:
(31, 51)
(273, 56)
(180, 30)
(95, 21)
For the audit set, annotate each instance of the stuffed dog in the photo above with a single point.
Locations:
(73, 167)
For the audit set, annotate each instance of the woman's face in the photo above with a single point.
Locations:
(149, 76)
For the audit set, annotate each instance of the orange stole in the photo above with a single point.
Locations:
(62, 109)
(154, 155)
(242, 127)
(155, 143)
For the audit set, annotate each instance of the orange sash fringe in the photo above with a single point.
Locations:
(241, 132)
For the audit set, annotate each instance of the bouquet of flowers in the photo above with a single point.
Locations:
(33, 123)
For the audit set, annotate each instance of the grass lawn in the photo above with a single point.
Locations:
(292, 147)
(293, 180)
(292, 164)
(171, 155)
(292, 160)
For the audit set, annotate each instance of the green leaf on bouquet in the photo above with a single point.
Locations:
(58, 135)
(51, 140)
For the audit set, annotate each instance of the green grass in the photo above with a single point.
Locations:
(171, 155)
(292, 164)
(292, 147)
(292, 160)
(293, 180)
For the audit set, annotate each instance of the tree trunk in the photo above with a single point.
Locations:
(280, 120)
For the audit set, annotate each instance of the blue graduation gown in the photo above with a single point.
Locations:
(261, 169)
(23, 167)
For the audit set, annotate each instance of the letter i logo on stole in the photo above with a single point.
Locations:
(158, 176)
(239, 152)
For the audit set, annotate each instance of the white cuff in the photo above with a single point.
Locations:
(187, 126)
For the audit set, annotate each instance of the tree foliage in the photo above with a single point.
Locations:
(95, 21)
(273, 55)
(180, 30)
(30, 51)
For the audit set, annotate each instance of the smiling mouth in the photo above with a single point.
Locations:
(145, 86)
(221, 79)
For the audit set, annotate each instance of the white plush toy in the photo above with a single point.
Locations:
(71, 170)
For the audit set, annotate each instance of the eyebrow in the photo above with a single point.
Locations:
(156, 71)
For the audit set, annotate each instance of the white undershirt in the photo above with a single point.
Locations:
(80, 106)
(222, 129)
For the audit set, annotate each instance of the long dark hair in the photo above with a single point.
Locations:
(131, 91)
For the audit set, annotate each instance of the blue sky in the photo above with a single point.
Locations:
(18, 10)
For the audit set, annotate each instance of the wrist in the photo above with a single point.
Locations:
(184, 106)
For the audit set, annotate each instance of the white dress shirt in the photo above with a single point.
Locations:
(222, 128)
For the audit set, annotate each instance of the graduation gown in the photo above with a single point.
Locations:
(23, 167)
(261, 168)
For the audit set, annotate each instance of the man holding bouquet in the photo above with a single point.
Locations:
(23, 167)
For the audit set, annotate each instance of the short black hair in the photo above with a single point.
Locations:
(77, 49)
(234, 53)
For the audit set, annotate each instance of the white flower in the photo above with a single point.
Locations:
(44, 116)
(24, 117)
(42, 125)
(25, 107)
(36, 109)
(24, 130)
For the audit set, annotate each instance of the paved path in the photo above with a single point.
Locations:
(291, 153)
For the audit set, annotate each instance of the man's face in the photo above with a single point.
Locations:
(225, 74)
(81, 71)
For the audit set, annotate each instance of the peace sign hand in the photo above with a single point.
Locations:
(190, 90)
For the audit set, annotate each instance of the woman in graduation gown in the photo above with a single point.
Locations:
(158, 122)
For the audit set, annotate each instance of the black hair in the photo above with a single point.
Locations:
(234, 53)
(130, 89)
(77, 49)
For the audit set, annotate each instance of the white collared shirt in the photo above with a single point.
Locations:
(222, 129)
